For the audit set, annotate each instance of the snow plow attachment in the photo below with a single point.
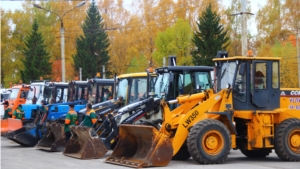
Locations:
(83, 144)
(4, 126)
(26, 136)
(9, 125)
(141, 146)
(53, 140)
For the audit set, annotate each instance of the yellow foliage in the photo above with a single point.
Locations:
(288, 63)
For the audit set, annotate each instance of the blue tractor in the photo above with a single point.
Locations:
(78, 93)
(50, 92)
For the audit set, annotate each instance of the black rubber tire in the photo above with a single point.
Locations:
(182, 154)
(198, 132)
(262, 153)
(282, 132)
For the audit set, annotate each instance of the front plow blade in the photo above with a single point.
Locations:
(9, 125)
(141, 146)
(4, 126)
(53, 140)
(83, 145)
(25, 136)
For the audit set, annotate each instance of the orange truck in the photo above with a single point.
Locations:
(17, 96)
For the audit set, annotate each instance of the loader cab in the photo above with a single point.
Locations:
(173, 81)
(79, 90)
(132, 87)
(100, 88)
(254, 81)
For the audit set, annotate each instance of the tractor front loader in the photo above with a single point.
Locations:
(85, 143)
(84, 91)
(249, 112)
(31, 133)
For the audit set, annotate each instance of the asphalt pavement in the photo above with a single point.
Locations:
(14, 156)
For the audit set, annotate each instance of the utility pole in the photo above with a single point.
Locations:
(80, 74)
(243, 13)
(103, 70)
(244, 28)
(298, 57)
(164, 62)
(62, 48)
(62, 32)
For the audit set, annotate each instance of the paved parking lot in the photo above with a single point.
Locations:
(13, 156)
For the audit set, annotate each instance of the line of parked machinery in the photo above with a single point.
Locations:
(172, 113)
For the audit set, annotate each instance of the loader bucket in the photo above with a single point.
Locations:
(25, 136)
(83, 145)
(53, 140)
(141, 146)
(10, 124)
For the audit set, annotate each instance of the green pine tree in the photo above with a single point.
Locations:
(209, 38)
(36, 59)
(92, 47)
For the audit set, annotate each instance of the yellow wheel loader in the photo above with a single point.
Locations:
(249, 112)
(171, 81)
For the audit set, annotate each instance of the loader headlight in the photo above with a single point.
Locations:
(228, 85)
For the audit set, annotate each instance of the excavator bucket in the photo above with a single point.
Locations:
(53, 140)
(10, 124)
(141, 146)
(25, 136)
(83, 144)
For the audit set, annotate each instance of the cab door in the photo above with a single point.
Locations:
(259, 84)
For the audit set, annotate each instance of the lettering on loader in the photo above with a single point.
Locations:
(190, 119)
(295, 92)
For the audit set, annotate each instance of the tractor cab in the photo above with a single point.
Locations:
(257, 90)
(56, 92)
(173, 81)
(102, 89)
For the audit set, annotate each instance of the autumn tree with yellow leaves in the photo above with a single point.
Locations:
(134, 28)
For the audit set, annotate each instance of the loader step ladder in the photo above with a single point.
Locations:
(268, 137)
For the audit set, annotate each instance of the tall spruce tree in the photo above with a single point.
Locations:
(92, 47)
(37, 60)
(209, 38)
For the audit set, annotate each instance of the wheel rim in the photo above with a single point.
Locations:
(294, 141)
(213, 142)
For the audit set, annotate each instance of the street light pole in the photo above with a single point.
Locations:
(244, 26)
(62, 32)
(62, 48)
